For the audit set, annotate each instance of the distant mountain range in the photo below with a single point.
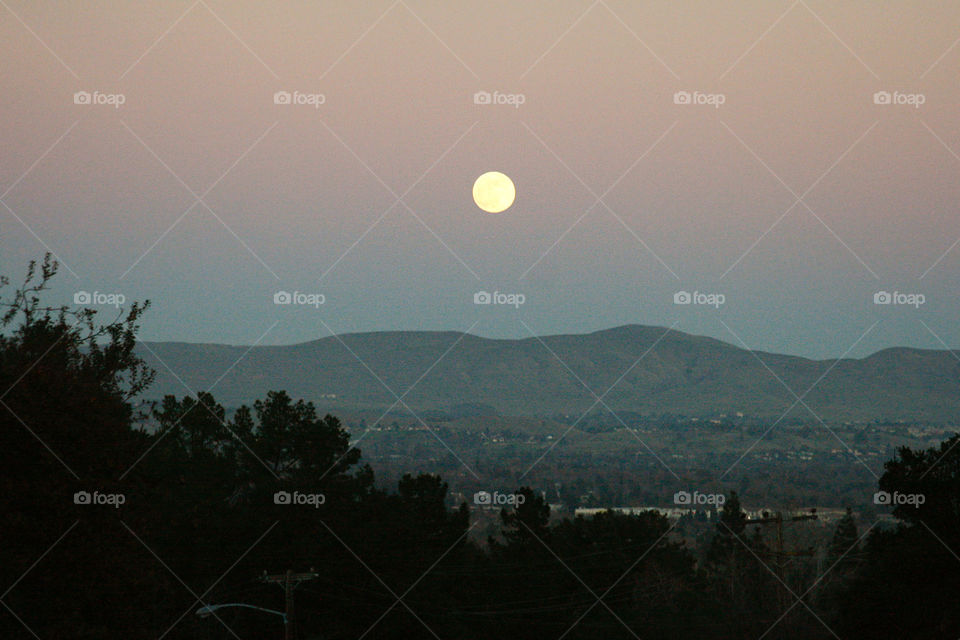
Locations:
(648, 370)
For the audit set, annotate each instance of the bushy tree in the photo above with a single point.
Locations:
(909, 583)
(66, 432)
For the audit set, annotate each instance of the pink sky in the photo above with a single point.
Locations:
(696, 203)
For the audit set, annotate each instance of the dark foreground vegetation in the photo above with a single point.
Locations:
(111, 531)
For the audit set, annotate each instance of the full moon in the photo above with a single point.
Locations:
(494, 192)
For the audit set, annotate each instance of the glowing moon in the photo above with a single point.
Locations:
(494, 192)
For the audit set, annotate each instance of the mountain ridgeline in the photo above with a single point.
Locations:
(647, 370)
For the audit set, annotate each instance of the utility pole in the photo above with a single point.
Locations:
(289, 581)
(780, 554)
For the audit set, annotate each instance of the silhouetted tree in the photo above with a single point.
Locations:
(843, 545)
(909, 584)
(739, 565)
(66, 427)
(526, 523)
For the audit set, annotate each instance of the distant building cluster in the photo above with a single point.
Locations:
(675, 513)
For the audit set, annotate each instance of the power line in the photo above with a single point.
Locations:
(289, 581)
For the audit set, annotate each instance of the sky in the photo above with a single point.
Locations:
(792, 166)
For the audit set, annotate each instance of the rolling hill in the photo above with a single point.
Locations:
(644, 369)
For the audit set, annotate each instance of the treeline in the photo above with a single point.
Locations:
(110, 530)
